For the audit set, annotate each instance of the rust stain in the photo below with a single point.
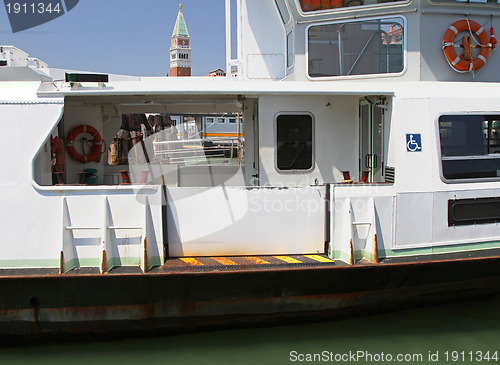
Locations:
(145, 254)
(104, 261)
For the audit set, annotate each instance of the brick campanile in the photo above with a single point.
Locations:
(180, 51)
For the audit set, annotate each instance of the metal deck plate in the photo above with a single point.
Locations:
(243, 263)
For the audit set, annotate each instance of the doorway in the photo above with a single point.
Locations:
(371, 137)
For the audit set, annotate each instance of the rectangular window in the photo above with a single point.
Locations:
(232, 120)
(221, 120)
(356, 48)
(283, 10)
(318, 5)
(289, 49)
(470, 146)
(473, 211)
(210, 121)
(294, 145)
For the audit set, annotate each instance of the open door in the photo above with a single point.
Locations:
(371, 134)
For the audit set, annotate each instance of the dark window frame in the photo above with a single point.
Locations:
(290, 169)
(477, 164)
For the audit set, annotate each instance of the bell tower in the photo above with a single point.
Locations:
(180, 51)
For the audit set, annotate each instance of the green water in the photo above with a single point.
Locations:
(458, 328)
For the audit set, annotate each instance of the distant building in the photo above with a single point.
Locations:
(180, 51)
(217, 72)
(14, 57)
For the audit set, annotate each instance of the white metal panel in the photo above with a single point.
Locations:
(364, 201)
(442, 234)
(245, 221)
(414, 220)
(266, 66)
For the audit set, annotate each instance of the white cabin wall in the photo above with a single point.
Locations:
(422, 195)
(263, 48)
(27, 220)
(336, 145)
(433, 25)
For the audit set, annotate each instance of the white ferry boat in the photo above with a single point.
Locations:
(364, 174)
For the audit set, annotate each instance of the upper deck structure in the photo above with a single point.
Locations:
(352, 40)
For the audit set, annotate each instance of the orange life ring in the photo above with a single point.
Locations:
(456, 61)
(96, 153)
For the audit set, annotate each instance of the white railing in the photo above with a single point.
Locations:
(208, 151)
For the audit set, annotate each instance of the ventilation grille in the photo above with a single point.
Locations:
(390, 174)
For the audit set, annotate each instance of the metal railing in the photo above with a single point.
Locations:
(209, 151)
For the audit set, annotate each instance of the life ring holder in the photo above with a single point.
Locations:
(455, 61)
(96, 153)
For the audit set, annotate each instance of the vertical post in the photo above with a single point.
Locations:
(228, 38)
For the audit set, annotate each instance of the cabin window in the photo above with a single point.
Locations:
(221, 120)
(318, 5)
(294, 144)
(356, 48)
(470, 146)
(232, 120)
(283, 10)
(289, 49)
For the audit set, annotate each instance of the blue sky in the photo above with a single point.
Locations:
(124, 36)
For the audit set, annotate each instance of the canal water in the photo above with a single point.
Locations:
(457, 333)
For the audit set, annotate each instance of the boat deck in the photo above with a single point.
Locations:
(243, 263)
(252, 263)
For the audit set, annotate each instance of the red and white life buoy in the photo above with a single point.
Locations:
(457, 62)
(96, 153)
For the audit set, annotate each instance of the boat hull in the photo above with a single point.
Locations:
(33, 306)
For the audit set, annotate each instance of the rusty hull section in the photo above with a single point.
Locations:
(76, 304)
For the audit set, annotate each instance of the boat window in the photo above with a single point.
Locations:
(294, 145)
(289, 49)
(283, 10)
(318, 5)
(356, 48)
(470, 146)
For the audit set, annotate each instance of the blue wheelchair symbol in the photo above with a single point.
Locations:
(413, 143)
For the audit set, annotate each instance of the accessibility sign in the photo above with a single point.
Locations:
(414, 142)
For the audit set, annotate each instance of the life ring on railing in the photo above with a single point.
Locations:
(458, 63)
(96, 153)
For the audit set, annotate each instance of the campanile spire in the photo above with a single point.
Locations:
(180, 51)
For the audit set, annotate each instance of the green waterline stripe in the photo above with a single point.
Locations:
(439, 249)
(28, 264)
(341, 256)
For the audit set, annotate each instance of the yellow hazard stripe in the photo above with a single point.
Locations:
(256, 260)
(318, 258)
(191, 261)
(224, 261)
(290, 260)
